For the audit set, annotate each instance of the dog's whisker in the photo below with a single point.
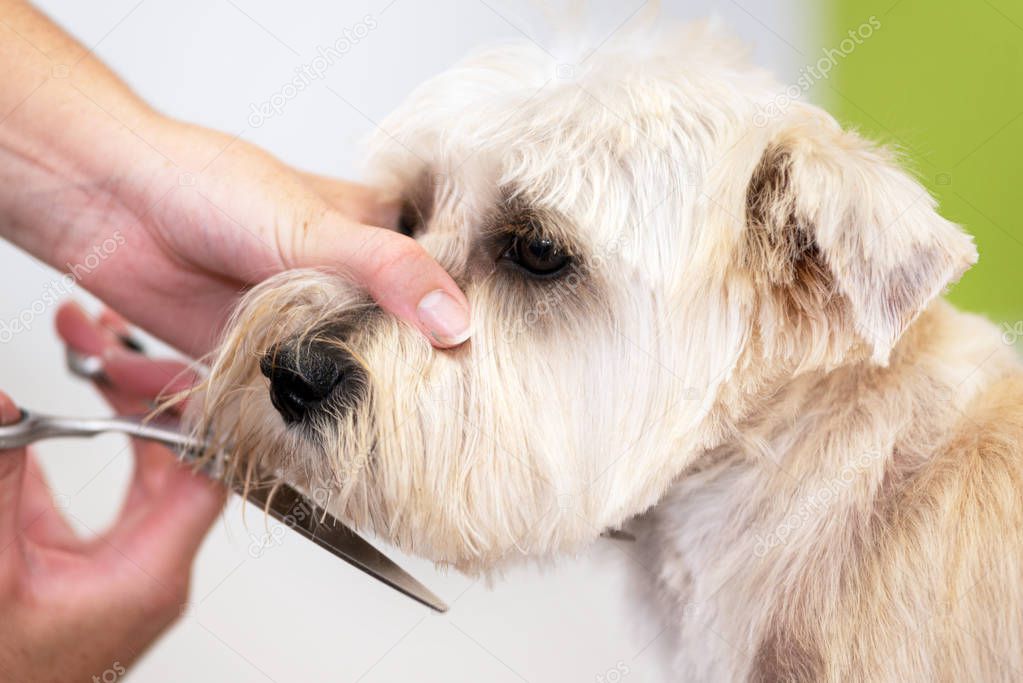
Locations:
(700, 310)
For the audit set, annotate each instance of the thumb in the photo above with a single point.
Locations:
(398, 273)
(167, 513)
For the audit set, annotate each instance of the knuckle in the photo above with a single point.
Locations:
(297, 245)
(395, 258)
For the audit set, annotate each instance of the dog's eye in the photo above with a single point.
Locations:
(539, 256)
(410, 221)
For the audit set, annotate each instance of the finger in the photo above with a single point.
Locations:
(40, 518)
(133, 383)
(153, 465)
(114, 322)
(399, 274)
(360, 203)
(134, 379)
(162, 524)
(12, 472)
(144, 377)
(81, 332)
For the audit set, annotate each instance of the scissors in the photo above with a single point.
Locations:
(281, 501)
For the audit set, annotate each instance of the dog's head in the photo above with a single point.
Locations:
(647, 255)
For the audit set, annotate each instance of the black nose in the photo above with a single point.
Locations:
(300, 380)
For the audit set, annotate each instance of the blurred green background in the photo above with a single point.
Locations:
(942, 81)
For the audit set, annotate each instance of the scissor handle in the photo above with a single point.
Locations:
(279, 500)
(34, 427)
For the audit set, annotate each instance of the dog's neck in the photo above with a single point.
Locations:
(784, 501)
(938, 366)
(856, 433)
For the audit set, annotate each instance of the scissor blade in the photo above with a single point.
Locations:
(286, 504)
(291, 508)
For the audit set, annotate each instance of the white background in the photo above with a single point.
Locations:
(295, 613)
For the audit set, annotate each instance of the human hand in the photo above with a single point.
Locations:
(76, 609)
(168, 222)
(189, 250)
(173, 257)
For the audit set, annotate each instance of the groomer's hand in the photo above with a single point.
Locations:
(167, 222)
(82, 610)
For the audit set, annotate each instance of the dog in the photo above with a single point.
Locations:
(719, 328)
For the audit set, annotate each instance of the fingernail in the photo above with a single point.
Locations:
(446, 319)
(119, 354)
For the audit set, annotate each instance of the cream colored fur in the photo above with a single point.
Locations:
(747, 358)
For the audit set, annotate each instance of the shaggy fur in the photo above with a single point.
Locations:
(746, 355)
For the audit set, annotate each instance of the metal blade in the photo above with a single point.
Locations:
(286, 504)
(295, 511)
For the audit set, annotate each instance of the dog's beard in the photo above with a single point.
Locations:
(415, 454)
(230, 408)
(510, 446)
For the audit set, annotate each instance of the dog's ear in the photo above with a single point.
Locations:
(830, 215)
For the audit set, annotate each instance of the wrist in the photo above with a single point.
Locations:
(73, 140)
(69, 166)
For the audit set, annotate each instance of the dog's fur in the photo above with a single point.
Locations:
(747, 355)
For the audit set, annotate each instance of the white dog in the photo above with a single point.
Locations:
(724, 323)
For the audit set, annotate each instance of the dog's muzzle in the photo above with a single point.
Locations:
(303, 380)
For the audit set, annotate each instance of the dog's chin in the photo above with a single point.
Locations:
(389, 458)
(357, 473)
(470, 458)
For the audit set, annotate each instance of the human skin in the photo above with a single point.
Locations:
(168, 223)
(74, 608)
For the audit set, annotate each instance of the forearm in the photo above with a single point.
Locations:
(73, 138)
(195, 216)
